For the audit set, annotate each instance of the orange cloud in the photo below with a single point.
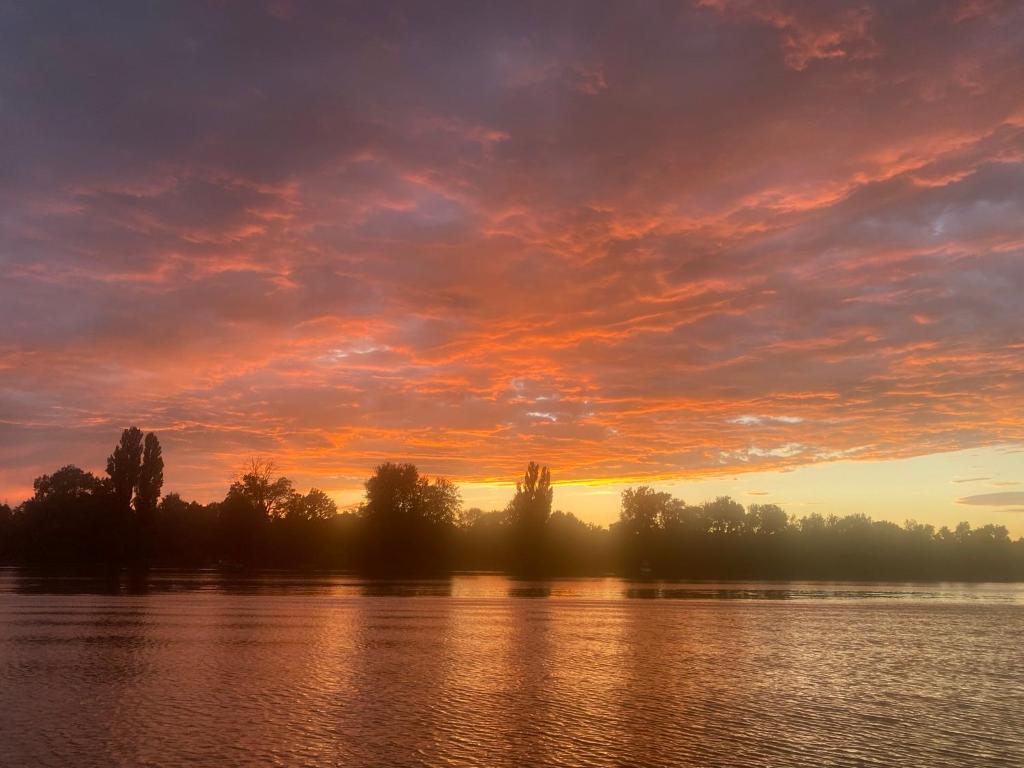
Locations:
(729, 237)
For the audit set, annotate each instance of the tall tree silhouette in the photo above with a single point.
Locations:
(531, 506)
(528, 512)
(151, 480)
(124, 466)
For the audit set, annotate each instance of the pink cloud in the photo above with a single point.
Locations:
(734, 237)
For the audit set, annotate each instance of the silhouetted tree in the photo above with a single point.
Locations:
(124, 466)
(257, 497)
(8, 543)
(151, 480)
(467, 518)
(645, 510)
(528, 512)
(304, 536)
(483, 539)
(315, 505)
(410, 525)
(71, 518)
(262, 488)
(723, 515)
(531, 504)
(185, 532)
(643, 514)
(766, 519)
(409, 520)
(263, 520)
(574, 547)
(399, 492)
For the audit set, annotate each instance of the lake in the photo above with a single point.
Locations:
(200, 670)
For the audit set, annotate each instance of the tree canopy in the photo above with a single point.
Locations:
(410, 524)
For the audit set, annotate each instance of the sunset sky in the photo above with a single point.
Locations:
(765, 248)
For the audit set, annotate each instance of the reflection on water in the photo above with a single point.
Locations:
(205, 669)
(491, 586)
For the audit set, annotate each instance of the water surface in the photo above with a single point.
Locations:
(198, 669)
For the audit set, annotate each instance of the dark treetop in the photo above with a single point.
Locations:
(412, 525)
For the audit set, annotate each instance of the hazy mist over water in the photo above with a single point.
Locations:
(196, 669)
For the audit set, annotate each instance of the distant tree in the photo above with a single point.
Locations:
(8, 545)
(813, 524)
(69, 518)
(467, 518)
(411, 525)
(172, 505)
(315, 505)
(766, 519)
(575, 547)
(68, 483)
(919, 530)
(442, 502)
(124, 466)
(645, 510)
(645, 518)
(528, 512)
(723, 515)
(409, 520)
(531, 505)
(991, 534)
(962, 533)
(260, 486)
(398, 493)
(483, 539)
(394, 492)
(185, 531)
(256, 498)
(151, 479)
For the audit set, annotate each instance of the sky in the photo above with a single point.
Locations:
(757, 247)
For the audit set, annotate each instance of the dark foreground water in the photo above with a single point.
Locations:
(201, 671)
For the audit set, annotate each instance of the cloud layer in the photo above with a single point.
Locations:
(704, 238)
(1005, 499)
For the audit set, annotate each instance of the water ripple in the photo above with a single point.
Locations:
(498, 676)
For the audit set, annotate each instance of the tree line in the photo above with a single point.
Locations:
(409, 524)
